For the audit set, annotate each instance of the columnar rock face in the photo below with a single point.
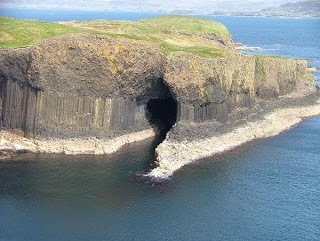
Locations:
(211, 89)
(83, 86)
(80, 86)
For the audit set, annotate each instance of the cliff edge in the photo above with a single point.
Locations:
(85, 93)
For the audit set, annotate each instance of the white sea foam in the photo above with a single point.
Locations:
(174, 155)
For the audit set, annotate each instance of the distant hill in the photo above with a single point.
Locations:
(310, 8)
(163, 6)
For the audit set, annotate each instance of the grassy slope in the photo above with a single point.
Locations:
(172, 33)
(180, 23)
(20, 33)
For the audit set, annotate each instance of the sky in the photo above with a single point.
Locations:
(196, 6)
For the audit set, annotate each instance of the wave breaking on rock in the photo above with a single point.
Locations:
(172, 155)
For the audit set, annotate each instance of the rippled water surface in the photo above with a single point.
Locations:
(265, 190)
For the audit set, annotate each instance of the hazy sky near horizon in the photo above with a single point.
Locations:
(147, 5)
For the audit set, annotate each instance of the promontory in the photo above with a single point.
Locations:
(89, 87)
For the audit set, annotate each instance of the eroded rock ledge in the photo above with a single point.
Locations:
(94, 92)
(211, 138)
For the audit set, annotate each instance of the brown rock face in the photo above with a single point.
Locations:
(82, 86)
(211, 89)
(79, 86)
(92, 66)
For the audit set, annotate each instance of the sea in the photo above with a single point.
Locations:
(268, 189)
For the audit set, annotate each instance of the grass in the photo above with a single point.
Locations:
(180, 23)
(200, 51)
(171, 33)
(21, 33)
(271, 56)
(308, 75)
(261, 72)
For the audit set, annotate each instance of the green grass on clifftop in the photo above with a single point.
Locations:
(20, 33)
(180, 23)
(173, 33)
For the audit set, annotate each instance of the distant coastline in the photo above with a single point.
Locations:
(262, 15)
(42, 14)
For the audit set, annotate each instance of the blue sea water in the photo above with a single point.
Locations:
(265, 190)
(298, 38)
(55, 15)
(289, 37)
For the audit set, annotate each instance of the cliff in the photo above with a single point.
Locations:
(80, 86)
(211, 89)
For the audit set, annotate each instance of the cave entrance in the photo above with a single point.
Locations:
(162, 114)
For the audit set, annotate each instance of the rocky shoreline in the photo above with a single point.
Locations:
(13, 143)
(172, 154)
(89, 94)
(186, 142)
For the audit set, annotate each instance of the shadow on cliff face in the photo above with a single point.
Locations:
(2, 89)
(162, 114)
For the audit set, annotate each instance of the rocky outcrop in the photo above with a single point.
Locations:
(76, 87)
(211, 138)
(80, 86)
(211, 89)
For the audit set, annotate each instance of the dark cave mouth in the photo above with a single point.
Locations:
(162, 114)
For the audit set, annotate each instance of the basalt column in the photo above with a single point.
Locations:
(19, 103)
(79, 86)
(2, 89)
